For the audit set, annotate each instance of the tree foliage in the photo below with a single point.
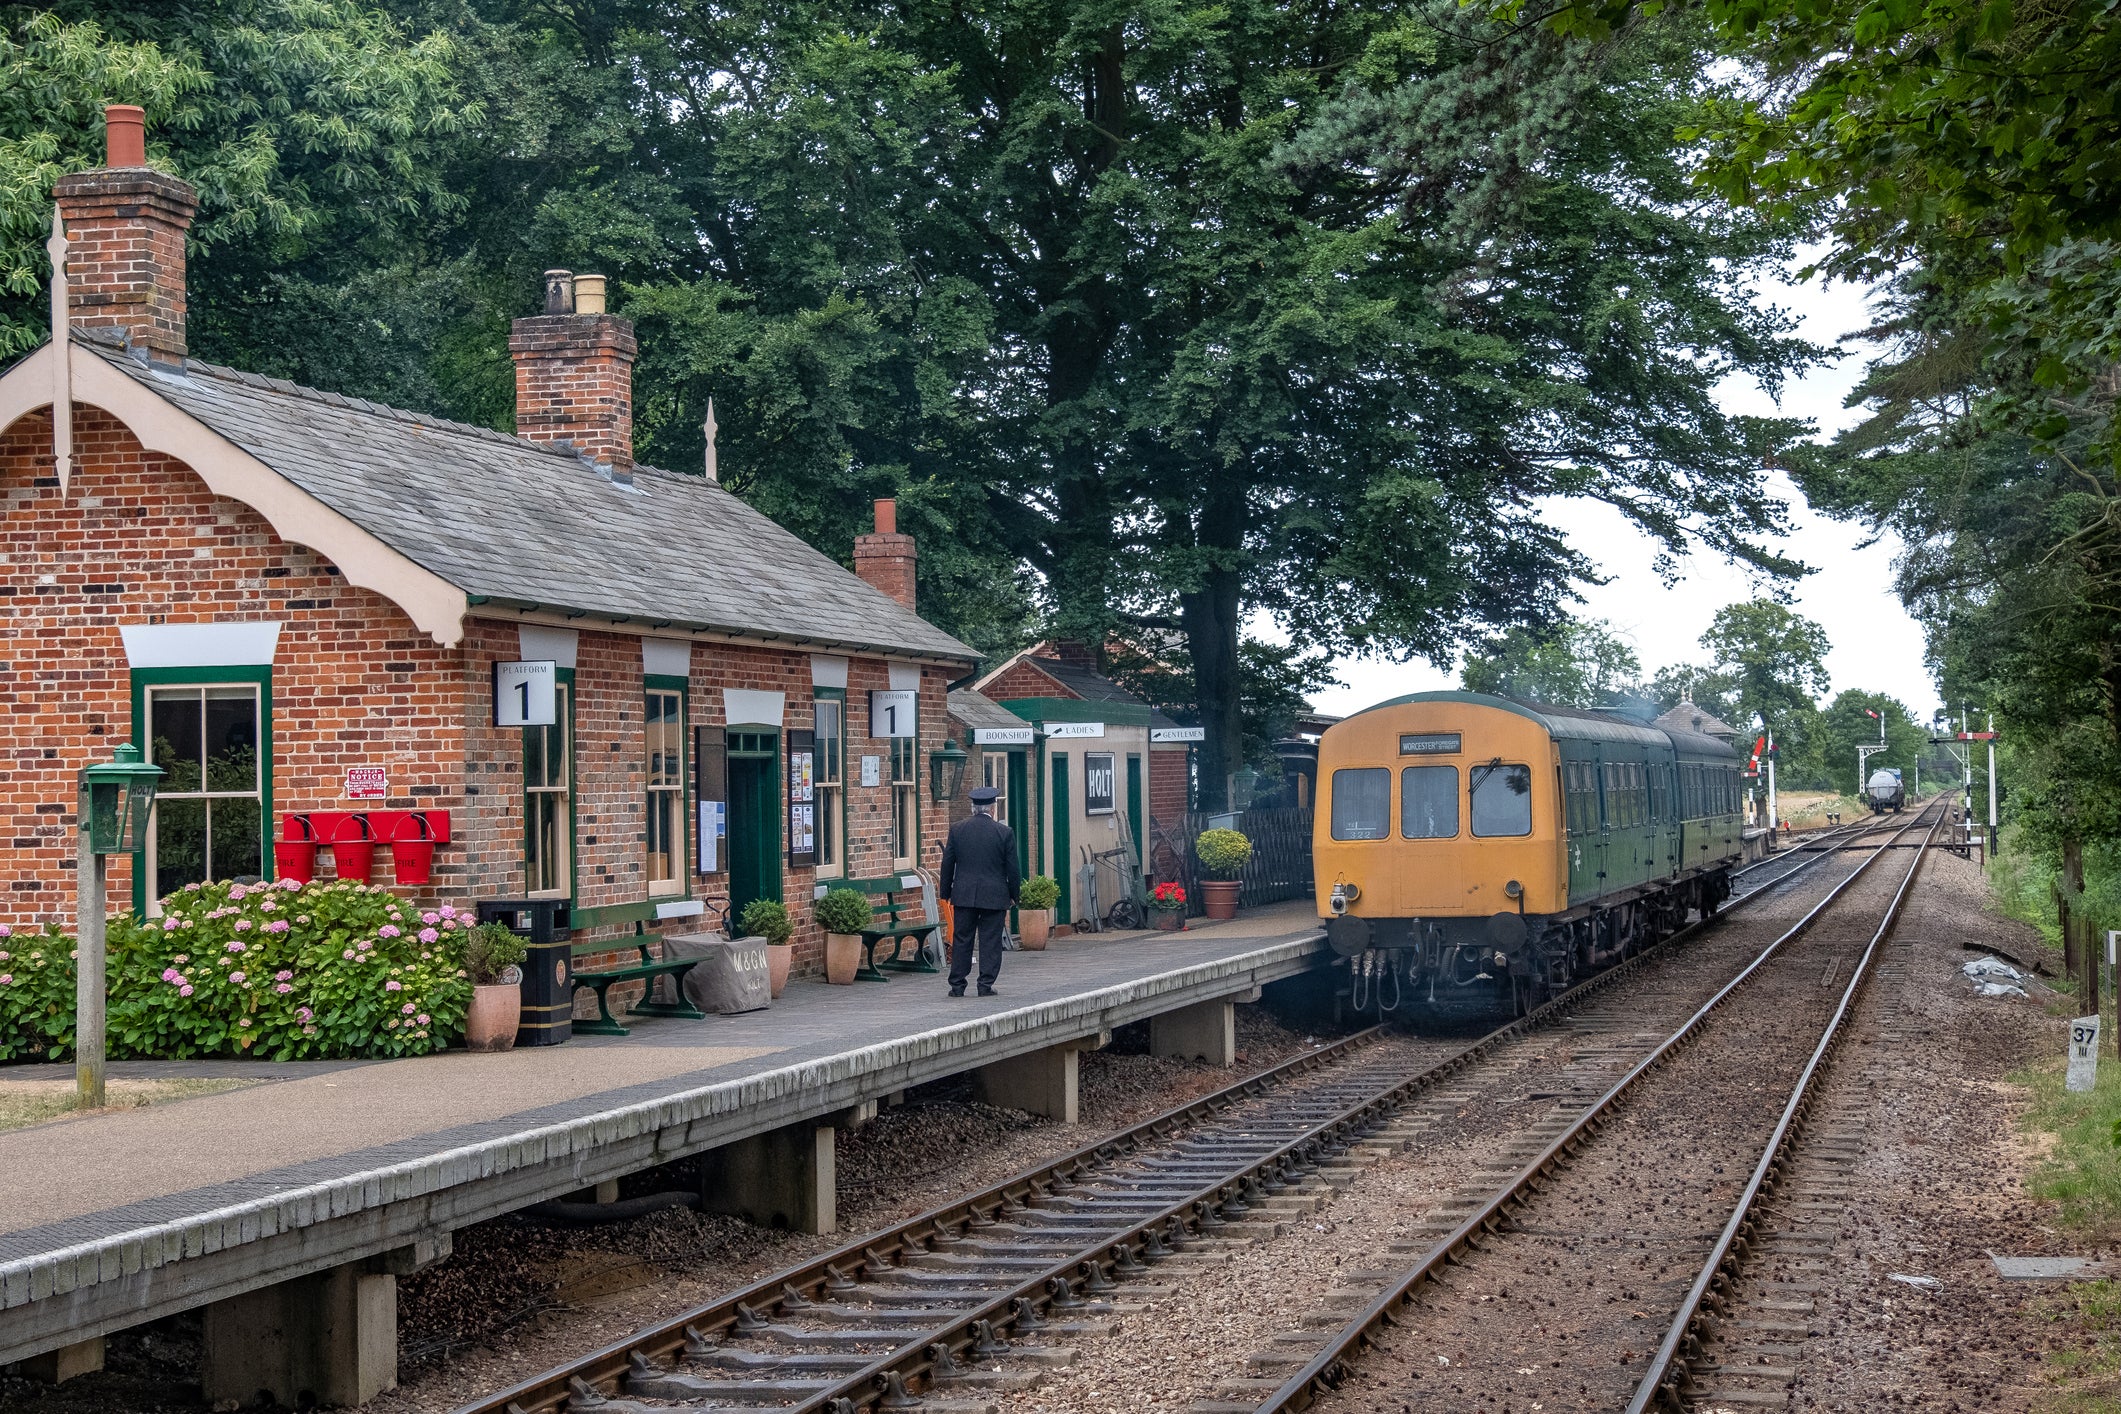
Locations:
(1154, 318)
(1580, 663)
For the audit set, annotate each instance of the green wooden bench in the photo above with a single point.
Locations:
(891, 940)
(646, 970)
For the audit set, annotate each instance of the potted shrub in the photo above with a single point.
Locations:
(1035, 898)
(1222, 855)
(1167, 906)
(843, 913)
(491, 957)
(764, 918)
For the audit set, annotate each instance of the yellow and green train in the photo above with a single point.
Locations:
(1472, 849)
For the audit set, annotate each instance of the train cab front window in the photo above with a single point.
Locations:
(1362, 803)
(1428, 802)
(1502, 800)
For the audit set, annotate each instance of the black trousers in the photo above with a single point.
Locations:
(986, 925)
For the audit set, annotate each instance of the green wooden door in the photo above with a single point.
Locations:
(1134, 803)
(754, 818)
(1057, 801)
(1020, 809)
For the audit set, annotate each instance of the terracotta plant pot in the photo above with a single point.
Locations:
(496, 1011)
(1169, 922)
(1219, 896)
(1033, 927)
(843, 955)
(779, 958)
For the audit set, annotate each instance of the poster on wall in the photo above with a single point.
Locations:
(872, 770)
(714, 829)
(800, 779)
(893, 713)
(802, 829)
(367, 783)
(1100, 786)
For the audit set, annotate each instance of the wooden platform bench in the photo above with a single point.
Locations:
(895, 935)
(646, 970)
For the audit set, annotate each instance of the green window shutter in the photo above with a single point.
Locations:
(1062, 873)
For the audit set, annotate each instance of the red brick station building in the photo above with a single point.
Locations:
(305, 604)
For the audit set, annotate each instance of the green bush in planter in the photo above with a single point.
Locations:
(1038, 891)
(1222, 853)
(843, 911)
(764, 918)
(491, 949)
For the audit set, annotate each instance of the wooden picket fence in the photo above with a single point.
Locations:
(1280, 867)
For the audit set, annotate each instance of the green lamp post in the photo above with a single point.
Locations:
(115, 798)
(946, 771)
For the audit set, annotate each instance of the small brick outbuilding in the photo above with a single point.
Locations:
(296, 601)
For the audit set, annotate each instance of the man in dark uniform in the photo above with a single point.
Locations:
(980, 878)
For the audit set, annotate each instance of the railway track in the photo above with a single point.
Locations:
(971, 1297)
(1585, 1207)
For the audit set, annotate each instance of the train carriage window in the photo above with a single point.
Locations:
(1362, 803)
(1428, 802)
(1502, 800)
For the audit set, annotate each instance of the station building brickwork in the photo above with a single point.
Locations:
(295, 602)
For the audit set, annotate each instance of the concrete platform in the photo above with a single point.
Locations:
(115, 1219)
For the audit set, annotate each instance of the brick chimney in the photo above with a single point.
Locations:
(574, 374)
(886, 558)
(125, 226)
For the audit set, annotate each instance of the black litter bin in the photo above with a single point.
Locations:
(548, 969)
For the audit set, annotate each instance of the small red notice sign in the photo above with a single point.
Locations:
(366, 783)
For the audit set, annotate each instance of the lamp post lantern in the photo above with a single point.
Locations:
(115, 797)
(946, 771)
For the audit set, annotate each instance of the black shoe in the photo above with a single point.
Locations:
(986, 991)
(957, 991)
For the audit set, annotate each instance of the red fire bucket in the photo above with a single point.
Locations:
(294, 854)
(412, 848)
(353, 847)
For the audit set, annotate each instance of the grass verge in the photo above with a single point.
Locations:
(27, 1102)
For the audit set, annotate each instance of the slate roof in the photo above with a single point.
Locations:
(978, 710)
(515, 524)
(1690, 717)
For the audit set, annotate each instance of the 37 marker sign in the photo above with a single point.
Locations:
(2083, 1054)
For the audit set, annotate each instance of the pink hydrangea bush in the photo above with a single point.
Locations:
(36, 994)
(281, 971)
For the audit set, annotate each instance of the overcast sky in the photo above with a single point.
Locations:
(1876, 646)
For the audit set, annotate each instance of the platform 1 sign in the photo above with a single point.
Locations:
(2083, 1054)
(524, 694)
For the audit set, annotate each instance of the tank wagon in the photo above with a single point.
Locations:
(1885, 790)
(1471, 850)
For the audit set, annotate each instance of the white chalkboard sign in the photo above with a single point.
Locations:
(523, 694)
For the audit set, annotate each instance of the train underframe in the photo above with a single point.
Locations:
(1508, 962)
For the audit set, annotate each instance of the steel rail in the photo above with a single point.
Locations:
(606, 1368)
(1326, 1369)
(1670, 1373)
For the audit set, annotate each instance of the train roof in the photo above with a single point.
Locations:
(1574, 723)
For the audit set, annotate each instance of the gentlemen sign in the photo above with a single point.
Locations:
(1178, 733)
(892, 713)
(523, 694)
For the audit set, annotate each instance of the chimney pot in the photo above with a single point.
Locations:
(124, 135)
(559, 292)
(126, 223)
(886, 558)
(574, 375)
